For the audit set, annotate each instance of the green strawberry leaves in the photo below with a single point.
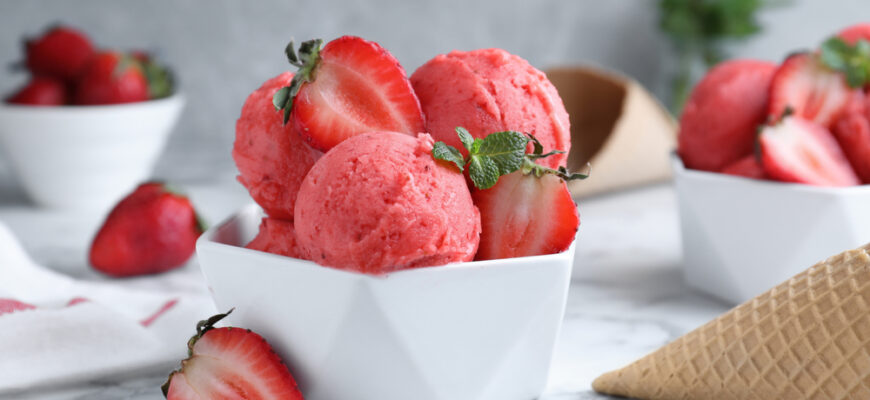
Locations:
(852, 60)
(306, 60)
(498, 154)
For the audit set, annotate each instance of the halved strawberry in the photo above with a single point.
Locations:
(525, 215)
(351, 86)
(748, 167)
(230, 363)
(810, 89)
(800, 151)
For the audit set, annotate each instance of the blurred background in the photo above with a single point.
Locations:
(223, 49)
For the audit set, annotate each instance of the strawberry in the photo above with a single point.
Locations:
(348, 87)
(8, 306)
(852, 130)
(151, 230)
(748, 167)
(524, 215)
(61, 53)
(810, 89)
(40, 91)
(854, 33)
(718, 124)
(230, 363)
(800, 151)
(111, 78)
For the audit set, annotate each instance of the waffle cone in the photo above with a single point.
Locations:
(808, 338)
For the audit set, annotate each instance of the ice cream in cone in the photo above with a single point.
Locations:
(808, 338)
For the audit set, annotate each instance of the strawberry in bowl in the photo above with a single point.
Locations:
(446, 257)
(89, 124)
(773, 164)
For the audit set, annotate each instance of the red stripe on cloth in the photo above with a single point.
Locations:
(8, 306)
(166, 307)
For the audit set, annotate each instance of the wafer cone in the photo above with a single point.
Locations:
(808, 338)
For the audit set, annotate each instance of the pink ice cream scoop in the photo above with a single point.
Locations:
(276, 236)
(272, 158)
(491, 90)
(380, 202)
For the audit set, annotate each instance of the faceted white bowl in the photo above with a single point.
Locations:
(85, 157)
(477, 330)
(744, 236)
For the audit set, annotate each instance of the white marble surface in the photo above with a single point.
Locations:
(627, 297)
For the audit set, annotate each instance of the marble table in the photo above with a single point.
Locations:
(627, 297)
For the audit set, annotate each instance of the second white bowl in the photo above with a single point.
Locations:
(85, 157)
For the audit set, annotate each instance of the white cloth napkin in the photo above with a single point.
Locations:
(86, 330)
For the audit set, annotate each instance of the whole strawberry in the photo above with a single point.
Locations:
(62, 53)
(40, 91)
(151, 230)
(230, 363)
(111, 78)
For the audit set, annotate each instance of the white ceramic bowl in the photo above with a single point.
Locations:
(477, 330)
(743, 236)
(85, 157)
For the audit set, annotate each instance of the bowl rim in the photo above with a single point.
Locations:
(680, 171)
(175, 97)
(207, 240)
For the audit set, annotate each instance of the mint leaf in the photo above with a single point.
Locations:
(443, 151)
(483, 171)
(505, 149)
(465, 137)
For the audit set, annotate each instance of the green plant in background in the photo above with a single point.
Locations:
(699, 29)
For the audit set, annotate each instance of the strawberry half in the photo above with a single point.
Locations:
(525, 215)
(854, 33)
(351, 86)
(40, 91)
(800, 151)
(809, 89)
(230, 363)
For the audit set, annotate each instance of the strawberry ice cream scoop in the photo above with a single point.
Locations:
(491, 90)
(276, 236)
(272, 158)
(379, 202)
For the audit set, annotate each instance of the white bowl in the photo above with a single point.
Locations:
(743, 236)
(85, 157)
(477, 330)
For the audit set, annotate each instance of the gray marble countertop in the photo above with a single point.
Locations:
(627, 297)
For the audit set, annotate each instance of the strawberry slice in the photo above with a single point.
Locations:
(800, 151)
(809, 89)
(748, 167)
(525, 215)
(230, 363)
(351, 86)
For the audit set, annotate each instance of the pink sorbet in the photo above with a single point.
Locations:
(491, 90)
(378, 202)
(276, 236)
(272, 158)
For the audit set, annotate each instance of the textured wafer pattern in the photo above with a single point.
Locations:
(808, 338)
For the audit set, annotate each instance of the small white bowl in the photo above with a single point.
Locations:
(743, 236)
(85, 157)
(477, 330)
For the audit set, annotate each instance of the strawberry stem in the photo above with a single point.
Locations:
(306, 61)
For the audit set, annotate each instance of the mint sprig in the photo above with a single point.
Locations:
(852, 60)
(498, 154)
(306, 60)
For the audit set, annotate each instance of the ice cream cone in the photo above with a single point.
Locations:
(808, 338)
